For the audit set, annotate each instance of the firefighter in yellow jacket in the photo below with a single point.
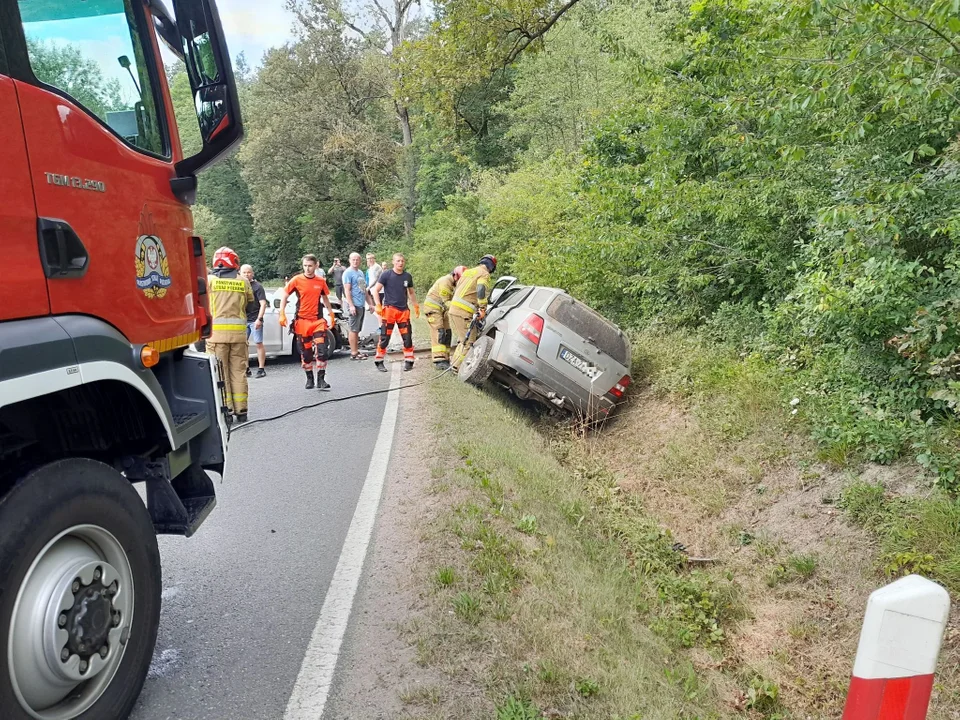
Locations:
(470, 301)
(435, 308)
(229, 295)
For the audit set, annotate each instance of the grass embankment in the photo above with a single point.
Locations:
(558, 587)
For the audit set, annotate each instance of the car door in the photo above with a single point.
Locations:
(506, 301)
(23, 288)
(272, 332)
(101, 163)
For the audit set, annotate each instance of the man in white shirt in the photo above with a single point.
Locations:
(373, 275)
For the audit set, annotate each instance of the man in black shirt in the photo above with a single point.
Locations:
(255, 311)
(397, 287)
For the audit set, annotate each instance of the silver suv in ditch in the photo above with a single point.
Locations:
(541, 343)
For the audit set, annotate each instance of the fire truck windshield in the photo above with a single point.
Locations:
(93, 52)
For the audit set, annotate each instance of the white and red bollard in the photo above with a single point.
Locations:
(899, 645)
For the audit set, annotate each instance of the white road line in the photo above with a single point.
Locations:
(316, 673)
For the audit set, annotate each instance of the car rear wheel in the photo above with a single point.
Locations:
(476, 368)
(79, 594)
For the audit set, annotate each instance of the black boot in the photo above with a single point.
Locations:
(321, 380)
(407, 365)
(380, 367)
(442, 365)
(309, 384)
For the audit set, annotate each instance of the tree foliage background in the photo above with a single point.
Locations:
(782, 176)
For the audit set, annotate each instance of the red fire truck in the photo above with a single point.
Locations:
(109, 423)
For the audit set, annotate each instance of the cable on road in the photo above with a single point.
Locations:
(244, 426)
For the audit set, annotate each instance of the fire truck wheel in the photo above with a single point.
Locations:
(79, 594)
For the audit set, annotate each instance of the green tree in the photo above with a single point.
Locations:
(65, 67)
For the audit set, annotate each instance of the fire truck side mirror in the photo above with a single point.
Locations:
(212, 82)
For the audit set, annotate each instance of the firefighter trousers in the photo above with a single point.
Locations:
(233, 358)
(440, 334)
(401, 318)
(460, 325)
(312, 336)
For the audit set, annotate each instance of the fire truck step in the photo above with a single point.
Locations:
(188, 425)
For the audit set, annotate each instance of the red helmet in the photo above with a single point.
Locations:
(225, 257)
(458, 272)
(491, 259)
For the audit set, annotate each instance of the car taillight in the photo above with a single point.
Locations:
(620, 387)
(203, 299)
(531, 328)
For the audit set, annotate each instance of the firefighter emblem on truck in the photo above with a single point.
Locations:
(153, 268)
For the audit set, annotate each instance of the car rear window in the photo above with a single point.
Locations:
(540, 298)
(589, 325)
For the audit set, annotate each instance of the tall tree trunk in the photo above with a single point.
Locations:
(409, 172)
(397, 27)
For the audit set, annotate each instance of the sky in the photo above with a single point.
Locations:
(253, 26)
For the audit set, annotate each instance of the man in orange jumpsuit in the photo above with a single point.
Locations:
(397, 287)
(309, 325)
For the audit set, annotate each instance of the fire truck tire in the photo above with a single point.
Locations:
(79, 594)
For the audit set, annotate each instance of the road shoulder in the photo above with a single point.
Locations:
(378, 675)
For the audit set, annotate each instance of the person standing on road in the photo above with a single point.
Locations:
(435, 308)
(470, 301)
(255, 311)
(373, 275)
(397, 287)
(337, 270)
(355, 291)
(309, 325)
(229, 296)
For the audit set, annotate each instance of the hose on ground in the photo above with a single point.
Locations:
(244, 426)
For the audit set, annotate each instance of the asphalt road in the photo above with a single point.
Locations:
(242, 596)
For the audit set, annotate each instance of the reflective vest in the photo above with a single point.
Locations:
(229, 296)
(440, 294)
(473, 292)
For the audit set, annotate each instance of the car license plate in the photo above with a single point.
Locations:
(569, 356)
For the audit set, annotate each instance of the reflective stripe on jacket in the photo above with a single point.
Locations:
(473, 291)
(440, 294)
(229, 295)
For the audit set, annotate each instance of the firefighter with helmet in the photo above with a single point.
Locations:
(229, 295)
(469, 303)
(435, 307)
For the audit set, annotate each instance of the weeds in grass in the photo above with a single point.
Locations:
(514, 708)
(803, 565)
(763, 696)
(420, 695)
(692, 610)
(549, 673)
(586, 687)
(467, 607)
(527, 525)
(918, 534)
(446, 576)
(685, 678)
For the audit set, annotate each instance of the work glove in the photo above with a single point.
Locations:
(283, 319)
(416, 309)
(379, 310)
(482, 313)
